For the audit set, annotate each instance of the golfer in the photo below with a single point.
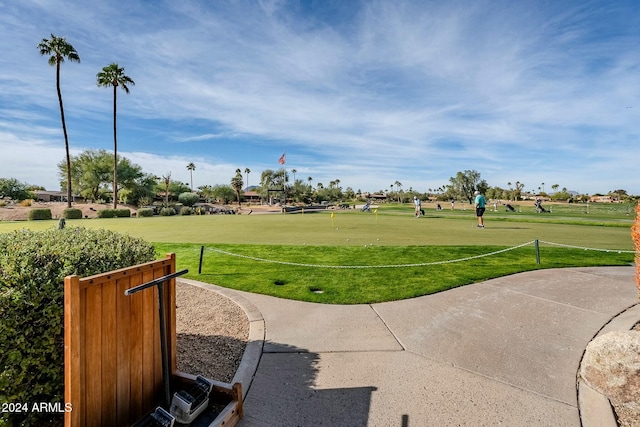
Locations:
(418, 206)
(480, 206)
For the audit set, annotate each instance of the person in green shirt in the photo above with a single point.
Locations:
(480, 203)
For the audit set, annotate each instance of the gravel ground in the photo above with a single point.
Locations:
(212, 332)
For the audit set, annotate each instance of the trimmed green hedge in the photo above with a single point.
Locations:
(39, 214)
(32, 270)
(114, 213)
(185, 211)
(72, 213)
(145, 212)
(167, 211)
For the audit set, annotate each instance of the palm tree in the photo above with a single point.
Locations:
(236, 184)
(167, 180)
(294, 171)
(59, 49)
(247, 171)
(398, 185)
(113, 75)
(191, 167)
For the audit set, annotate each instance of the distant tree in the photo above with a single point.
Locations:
(113, 75)
(11, 187)
(247, 171)
(294, 171)
(236, 184)
(555, 187)
(166, 179)
(91, 175)
(398, 185)
(191, 167)
(188, 199)
(464, 184)
(223, 193)
(59, 49)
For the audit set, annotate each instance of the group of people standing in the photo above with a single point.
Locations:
(479, 203)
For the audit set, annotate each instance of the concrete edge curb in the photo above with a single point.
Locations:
(255, 343)
(594, 407)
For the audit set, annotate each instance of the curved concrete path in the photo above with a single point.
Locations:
(501, 352)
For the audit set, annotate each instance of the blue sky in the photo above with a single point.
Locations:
(367, 92)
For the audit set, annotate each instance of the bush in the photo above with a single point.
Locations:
(114, 213)
(72, 213)
(188, 199)
(33, 267)
(185, 211)
(107, 213)
(145, 212)
(167, 211)
(39, 214)
(26, 203)
(123, 213)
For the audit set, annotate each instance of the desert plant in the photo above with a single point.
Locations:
(33, 266)
(185, 211)
(188, 199)
(72, 213)
(39, 214)
(167, 211)
(26, 202)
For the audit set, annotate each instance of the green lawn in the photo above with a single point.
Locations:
(315, 257)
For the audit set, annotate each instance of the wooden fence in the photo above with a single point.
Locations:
(113, 363)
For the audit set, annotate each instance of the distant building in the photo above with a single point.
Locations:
(51, 196)
(603, 199)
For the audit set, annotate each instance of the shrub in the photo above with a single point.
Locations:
(33, 266)
(188, 199)
(107, 213)
(145, 212)
(167, 211)
(72, 213)
(123, 213)
(26, 202)
(185, 211)
(114, 213)
(39, 214)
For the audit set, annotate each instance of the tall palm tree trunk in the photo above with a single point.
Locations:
(66, 138)
(115, 153)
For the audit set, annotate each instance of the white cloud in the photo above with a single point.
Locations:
(505, 88)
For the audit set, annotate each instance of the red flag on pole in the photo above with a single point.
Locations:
(282, 159)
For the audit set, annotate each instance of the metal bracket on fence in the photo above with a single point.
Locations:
(159, 282)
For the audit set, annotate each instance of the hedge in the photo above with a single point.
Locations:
(114, 213)
(72, 213)
(32, 270)
(185, 211)
(39, 214)
(145, 212)
(167, 211)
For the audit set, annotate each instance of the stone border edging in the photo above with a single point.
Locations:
(253, 350)
(594, 407)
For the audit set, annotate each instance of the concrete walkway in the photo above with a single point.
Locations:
(501, 352)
